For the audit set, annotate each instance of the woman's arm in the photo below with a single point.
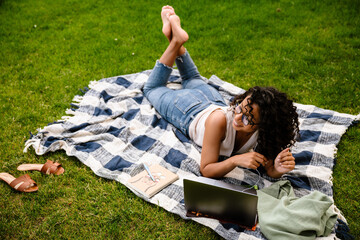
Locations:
(215, 129)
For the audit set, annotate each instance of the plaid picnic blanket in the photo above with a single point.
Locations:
(113, 129)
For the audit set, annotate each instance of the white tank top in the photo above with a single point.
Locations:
(197, 131)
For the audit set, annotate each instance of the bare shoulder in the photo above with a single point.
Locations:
(216, 117)
(216, 122)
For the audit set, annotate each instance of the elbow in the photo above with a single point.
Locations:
(203, 172)
(206, 172)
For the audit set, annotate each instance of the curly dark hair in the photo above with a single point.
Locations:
(279, 126)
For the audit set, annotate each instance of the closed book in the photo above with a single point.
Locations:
(143, 183)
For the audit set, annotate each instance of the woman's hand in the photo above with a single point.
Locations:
(284, 162)
(250, 160)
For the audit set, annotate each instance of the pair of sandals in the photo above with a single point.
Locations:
(24, 183)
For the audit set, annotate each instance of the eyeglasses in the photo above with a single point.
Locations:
(238, 110)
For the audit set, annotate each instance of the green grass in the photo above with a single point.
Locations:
(50, 49)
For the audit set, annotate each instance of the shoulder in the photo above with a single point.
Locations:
(217, 117)
(216, 122)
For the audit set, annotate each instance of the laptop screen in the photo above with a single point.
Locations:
(206, 197)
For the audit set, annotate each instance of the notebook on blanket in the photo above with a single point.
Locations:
(150, 185)
(226, 202)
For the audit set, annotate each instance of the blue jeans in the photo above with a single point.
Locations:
(179, 107)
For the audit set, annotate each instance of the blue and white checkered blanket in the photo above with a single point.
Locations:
(113, 129)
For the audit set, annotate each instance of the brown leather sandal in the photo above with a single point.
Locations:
(48, 168)
(22, 184)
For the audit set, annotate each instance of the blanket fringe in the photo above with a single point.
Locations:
(342, 230)
(93, 83)
(35, 143)
(357, 117)
(69, 112)
(78, 99)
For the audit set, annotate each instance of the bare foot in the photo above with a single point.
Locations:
(166, 11)
(179, 35)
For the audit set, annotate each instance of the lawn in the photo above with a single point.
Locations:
(51, 49)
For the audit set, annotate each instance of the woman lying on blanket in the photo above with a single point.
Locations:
(262, 119)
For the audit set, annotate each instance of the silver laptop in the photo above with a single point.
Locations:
(205, 197)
